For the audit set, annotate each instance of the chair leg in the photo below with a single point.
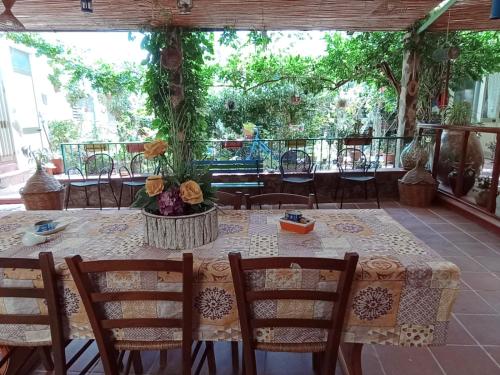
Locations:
(132, 191)
(341, 194)
(120, 197)
(313, 185)
(376, 193)
(67, 196)
(86, 196)
(212, 369)
(129, 363)
(46, 357)
(137, 362)
(235, 356)
(366, 190)
(163, 358)
(113, 192)
(100, 202)
(316, 362)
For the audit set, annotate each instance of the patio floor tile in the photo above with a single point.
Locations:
(465, 360)
(481, 281)
(484, 328)
(469, 302)
(408, 361)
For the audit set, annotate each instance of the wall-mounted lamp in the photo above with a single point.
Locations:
(495, 9)
(185, 6)
(86, 6)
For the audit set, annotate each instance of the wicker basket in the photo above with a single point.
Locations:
(42, 192)
(417, 195)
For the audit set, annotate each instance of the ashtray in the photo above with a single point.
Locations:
(303, 226)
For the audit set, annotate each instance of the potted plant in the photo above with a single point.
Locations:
(458, 114)
(481, 190)
(60, 131)
(177, 204)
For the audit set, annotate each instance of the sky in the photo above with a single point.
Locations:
(115, 47)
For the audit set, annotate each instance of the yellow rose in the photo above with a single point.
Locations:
(191, 192)
(154, 185)
(155, 148)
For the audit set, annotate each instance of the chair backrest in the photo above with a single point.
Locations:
(228, 199)
(279, 198)
(99, 163)
(230, 166)
(93, 297)
(139, 165)
(248, 297)
(352, 160)
(49, 292)
(295, 161)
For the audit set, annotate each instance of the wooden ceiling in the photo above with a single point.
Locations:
(467, 15)
(362, 15)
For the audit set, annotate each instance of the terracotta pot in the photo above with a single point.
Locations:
(469, 180)
(59, 166)
(451, 149)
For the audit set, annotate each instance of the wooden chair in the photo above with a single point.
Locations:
(111, 349)
(49, 292)
(296, 168)
(229, 199)
(355, 168)
(324, 353)
(279, 199)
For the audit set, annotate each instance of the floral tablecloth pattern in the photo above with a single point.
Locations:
(403, 293)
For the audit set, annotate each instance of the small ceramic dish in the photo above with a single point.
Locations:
(46, 227)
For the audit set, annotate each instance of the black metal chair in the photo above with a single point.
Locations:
(135, 176)
(292, 164)
(97, 165)
(355, 168)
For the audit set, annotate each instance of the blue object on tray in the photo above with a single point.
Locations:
(44, 226)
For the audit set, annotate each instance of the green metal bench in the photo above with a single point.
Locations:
(234, 167)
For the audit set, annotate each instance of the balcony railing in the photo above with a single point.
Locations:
(323, 151)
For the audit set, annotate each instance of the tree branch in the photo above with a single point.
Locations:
(386, 69)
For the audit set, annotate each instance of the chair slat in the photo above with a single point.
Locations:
(291, 323)
(22, 292)
(136, 296)
(287, 262)
(20, 263)
(141, 323)
(24, 319)
(310, 295)
(279, 198)
(130, 265)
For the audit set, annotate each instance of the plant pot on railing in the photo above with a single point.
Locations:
(58, 166)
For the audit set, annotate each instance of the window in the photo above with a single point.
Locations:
(20, 61)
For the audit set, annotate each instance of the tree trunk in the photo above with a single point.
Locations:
(408, 97)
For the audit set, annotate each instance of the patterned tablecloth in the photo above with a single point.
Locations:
(403, 293)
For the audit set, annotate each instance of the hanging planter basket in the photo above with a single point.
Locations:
(181, 232)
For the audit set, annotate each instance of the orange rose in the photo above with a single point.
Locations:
(154, 185)
(155, 148)
(191, 192)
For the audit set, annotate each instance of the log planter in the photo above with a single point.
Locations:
(180, 232)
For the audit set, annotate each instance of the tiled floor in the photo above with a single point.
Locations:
(474, 333)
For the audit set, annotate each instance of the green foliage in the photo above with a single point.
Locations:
(458, 114)
(197, 75)
(64, 131)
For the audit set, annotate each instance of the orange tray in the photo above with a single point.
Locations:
(292, 226)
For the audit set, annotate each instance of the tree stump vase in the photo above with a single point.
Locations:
(181, 232)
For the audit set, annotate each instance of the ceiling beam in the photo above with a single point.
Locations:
(435, 13)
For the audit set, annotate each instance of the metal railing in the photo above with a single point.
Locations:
(323, 151)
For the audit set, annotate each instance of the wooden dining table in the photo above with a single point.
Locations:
(402, 295)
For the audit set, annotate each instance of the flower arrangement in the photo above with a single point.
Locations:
(173, 192)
